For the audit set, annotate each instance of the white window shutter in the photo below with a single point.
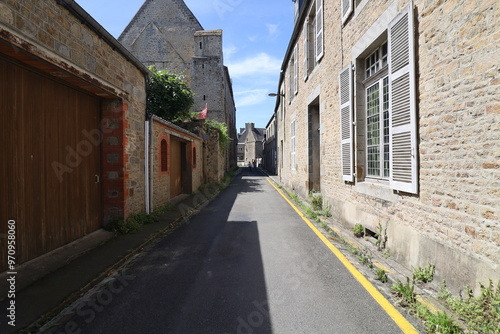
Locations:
(347, 7)
(290, 80)
(305, 32)
(402, 103)
(346, 122)
(295, 70)
(319, 30)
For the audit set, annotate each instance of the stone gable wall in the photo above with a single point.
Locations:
(161, 34)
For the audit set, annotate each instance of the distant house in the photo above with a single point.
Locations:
(270, 149)
(391, 112)
(250, 141)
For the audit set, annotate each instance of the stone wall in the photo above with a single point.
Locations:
(65, 45)
(214, 158)
(454, 220)
(55, 34)
(163, 130)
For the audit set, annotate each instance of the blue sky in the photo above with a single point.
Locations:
(255, 36)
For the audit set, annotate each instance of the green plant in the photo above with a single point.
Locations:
(381, 275)
(386, 253)
(168, 96)
(310, 213)
(424, 274)
(317, 202)
(221, 129)
(358, 230)
(325, 212)
(405, 292)
(365, 258)
(480, 314)
(381, 237)
(294, 197)
(134, 222)
(122, 226)
(353, 250)
(441, 323)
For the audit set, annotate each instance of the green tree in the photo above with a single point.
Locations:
(168, 96)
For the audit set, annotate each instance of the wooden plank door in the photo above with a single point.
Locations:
(49, 161)
(175, 168)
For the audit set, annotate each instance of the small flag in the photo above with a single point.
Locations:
(203, 113)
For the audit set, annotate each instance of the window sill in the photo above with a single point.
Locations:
(376, 189)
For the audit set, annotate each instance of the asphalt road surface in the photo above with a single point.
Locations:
(247, 263)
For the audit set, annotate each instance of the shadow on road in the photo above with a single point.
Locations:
(206, 277)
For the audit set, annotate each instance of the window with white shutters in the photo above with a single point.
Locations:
(347, 7)
(305, 33)
(319, 50)
(291, 78)
(402, 103)
(295, 70)
(313, 37)
(346, 120)
(386, 87)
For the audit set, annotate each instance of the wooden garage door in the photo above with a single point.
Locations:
(50, 164)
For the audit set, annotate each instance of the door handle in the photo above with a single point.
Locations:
(97, 178)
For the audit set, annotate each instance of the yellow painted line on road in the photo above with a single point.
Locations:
(398, 318)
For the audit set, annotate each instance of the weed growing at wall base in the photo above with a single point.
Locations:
(134, 222)
(480, 314)
(424, 274)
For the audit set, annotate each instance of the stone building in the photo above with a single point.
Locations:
(250, 141)
(269, 147)
(391, 112)
(72, 126)
(211, 83)
(165, 33)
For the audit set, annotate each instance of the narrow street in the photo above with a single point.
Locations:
(247, 263)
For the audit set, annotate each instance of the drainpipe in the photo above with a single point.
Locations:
(151, 164)
(146, 164)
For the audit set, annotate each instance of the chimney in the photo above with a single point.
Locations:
(249, 127)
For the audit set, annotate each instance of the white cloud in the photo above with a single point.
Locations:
(272, 30)
(250, 97)
(228, 51)
(260, 64)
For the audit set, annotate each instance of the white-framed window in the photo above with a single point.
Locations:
(291, 78)
(376, 61)
(293, 147)
(377, 129)
(295, 70)
(388, 110)
(347, 8)
(313, 41)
